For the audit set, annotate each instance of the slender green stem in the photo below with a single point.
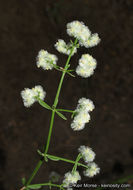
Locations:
(67, 160)
(34, 172)
(63, 74)
(50, 131)
(76, 163)
(53, 114)
(57, 97)
(64, 110)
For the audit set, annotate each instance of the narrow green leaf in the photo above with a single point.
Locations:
(23, 180)
(70, 74)
(35, 186)
(43, 104)
(61, 115)
(53, 158)
(40, 153)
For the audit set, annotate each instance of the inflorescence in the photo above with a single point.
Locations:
(85, 68)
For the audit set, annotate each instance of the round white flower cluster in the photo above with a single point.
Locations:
(64, 48)
(89, 155)
(46, 60)
(29, 95)
(82, 114)
(86, 66)
(71, 178)
(78, 30)
(85, 104)
(92, 170)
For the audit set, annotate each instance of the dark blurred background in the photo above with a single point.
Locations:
(25, 28)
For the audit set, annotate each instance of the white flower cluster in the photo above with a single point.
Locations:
(86, 66)
(46, 60)
(78, 30)
(89, 155)
(64, 48)
(92, 170)
(82, 114)
(29, 95)
(71, 178)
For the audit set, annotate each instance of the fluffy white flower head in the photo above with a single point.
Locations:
(92, 170)
(76, 126)
(80, 120)
(38, 91)
(46, 60)
(85, 104)
(87, 153)
(29, 95)
(64, 48)
(71, 178)
(61, 46)
(86, 66)
(87, 60)
(92, 41)
(78, 30)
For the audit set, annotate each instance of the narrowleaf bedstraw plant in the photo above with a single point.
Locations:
(81, 36)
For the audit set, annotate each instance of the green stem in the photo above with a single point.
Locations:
(76, 163)
(64, 110)
(50, 131)
(52, 116)
(34, 172)
(67, 160)
(57, 97)
(63, 74)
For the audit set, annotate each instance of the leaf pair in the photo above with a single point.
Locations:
(45, 105)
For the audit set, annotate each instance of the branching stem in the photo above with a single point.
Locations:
(52, 115)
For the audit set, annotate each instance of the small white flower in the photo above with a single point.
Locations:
(46, 60)
(38, 91)
(76, 126)
(82, 117)
(93, 41)
(71, 178)
(64, 48)
(85, 104)
(29, 95)
(61, 46)
(78, 30)
(85, 73)
(92, 170)
(87, 60)
(80, 120)
(86, 66)
(87, 153)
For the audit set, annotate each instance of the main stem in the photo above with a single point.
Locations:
(52, 117)
(57, 97)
